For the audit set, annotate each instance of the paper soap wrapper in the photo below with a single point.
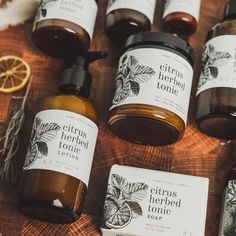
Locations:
(141, 202)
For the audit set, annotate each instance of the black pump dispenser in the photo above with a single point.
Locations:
(230, 10)
(77, 77)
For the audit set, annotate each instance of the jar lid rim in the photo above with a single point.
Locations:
(163, 39)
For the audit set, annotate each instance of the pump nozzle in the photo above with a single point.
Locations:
(78, 76)
(89, 57)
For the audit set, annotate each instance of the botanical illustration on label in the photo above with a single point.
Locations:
(218, 67)
(42, 133)
(62, 141)
(229, 224)
(80, 12)
(191, 7)
(147, 202)
(122, 203)
(130, 75)
(154, 77)
(146, 7)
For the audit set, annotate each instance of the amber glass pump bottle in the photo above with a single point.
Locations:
(216, 94)
(58, 162)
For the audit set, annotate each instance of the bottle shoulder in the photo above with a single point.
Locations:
(227, 27)
(79, 105)
(127, 14)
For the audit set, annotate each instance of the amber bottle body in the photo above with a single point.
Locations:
(180, 24)
(125, 18)
(122, 23)
(180, 18)
(66, 32)
(216, 106)
(50, 195)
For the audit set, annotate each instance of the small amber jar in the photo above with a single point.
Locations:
(125, 18)
(64, 28)
(180, 18)
(153, 87)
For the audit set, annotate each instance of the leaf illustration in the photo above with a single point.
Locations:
(132, 63)
(129, 77)
(213, 71)
(43, 148)
(31, 156)
(210, 49)
(211, 61)
(122, 92)
(231, 197)
(135, 87)
(38, 123)
(49, 131)
(143, 74)
(123, 60)
(136, 209)
(44, 12)
(119, 182)
(221, 58)
(229, 222)
(137, 191)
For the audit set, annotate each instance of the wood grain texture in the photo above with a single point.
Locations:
(195, 154)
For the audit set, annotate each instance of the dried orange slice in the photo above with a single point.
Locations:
(14, 73)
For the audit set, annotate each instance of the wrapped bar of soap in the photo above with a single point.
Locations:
(141, 202)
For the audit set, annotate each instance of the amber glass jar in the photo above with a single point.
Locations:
(125, 18)
(216, 93)
(59, 158)
(180, 18)
(153, 86)
(64, 28)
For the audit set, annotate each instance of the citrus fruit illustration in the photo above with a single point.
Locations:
(14, 73)
(117, 215)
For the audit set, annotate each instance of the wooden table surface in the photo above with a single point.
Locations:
(196, 154)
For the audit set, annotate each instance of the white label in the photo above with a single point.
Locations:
(192, 7)
(62, 141)
(142, 202)
(146, 7)
(80, 12)
(218, 63)
(154, 77)
(227, 226)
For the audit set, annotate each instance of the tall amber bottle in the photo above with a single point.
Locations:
(58, 162)
(216, 94)
(124, 18)
(64, 28)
